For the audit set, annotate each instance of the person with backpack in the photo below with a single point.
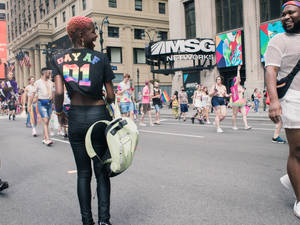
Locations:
(87, 107)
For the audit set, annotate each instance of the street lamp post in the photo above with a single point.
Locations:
(153, 74)
(104, 21)
(138, 80)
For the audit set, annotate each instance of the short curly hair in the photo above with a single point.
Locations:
(75, 24)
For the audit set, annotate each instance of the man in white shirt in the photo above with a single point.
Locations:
(44, 94)
(282, 55)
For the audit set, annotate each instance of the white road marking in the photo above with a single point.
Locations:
(55, 139)
(213, 126)
(72, 171)
(172, 134)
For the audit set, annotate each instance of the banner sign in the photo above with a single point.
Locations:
(267, 32)
(229, 49)
(200, 51)
(3, 49)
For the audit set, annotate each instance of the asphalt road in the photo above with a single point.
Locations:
(182, 174)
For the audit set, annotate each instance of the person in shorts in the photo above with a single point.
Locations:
(282, 55)
(146, 104)
(156, 99)
(44, 93)
(125, 93)
(183, 102)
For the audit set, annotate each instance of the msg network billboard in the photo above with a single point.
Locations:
(3, 44)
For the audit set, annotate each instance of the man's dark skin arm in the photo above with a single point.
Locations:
(275, 107)
(110, 97)
(59, 97)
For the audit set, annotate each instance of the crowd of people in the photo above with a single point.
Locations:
(86, 104)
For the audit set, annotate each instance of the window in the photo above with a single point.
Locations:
(2, 16)
(54, 4)
(113, 32)
(270, 11)
(63, 1)
(55, 21)
(190, 24)
(139, 34)
(112, 3)
(73, 10)
(139, 55)
(163, 35)
(228, 13)
(84, 4)
(34, 17)
(162, 8)
(2, 6)
(64, 16)
(114, 54)
(47, 6)
(7, 17)
(138, 5)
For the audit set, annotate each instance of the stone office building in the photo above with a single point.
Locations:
(37, 25)
(241, 30)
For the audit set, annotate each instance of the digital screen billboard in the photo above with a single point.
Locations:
(3, 49)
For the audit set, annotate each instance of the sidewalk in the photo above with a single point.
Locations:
(261, 115)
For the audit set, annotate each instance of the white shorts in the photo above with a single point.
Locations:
(290, 104)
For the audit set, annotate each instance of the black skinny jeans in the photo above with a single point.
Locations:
(80, 119)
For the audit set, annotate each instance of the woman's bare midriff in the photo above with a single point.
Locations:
(78, 99)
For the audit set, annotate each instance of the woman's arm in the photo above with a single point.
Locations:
(110, 94)
(59, 93)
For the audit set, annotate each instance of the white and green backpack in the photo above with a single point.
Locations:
(122, 138)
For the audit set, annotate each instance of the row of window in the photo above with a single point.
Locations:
(139, 34)
(229, 16)
(114, 54)
(138, 5)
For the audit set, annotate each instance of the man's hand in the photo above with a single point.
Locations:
(275, 111)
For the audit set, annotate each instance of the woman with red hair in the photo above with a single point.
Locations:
(84, 73)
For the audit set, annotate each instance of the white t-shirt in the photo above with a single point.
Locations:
(284, 52)
(30, 90)
(44, 89)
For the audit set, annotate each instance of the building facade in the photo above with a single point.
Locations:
(3, 41)
(36, 29)
(241, 30)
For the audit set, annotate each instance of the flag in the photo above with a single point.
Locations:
(27, 60)
(10, 67)
(165, 97)
(20, 58)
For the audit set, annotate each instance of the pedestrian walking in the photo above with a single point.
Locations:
(205, 104)
(238, 101)
(156, 100)
(125, 93)
(146, 104)
(43, 94)
(256, 98)
(197, 102)
(87, 107)
(11, 86)
(175, 105)
(31, 105)
(265, 96)
(218, 93)
(183, 102)
(282, 56)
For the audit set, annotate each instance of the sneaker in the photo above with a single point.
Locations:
(286, 182)
(34, 132)
(208, 122)
(248, 128)
(235, 128)
(297, 209)
(278, 140)
(3, 185)
(143, 124)
(219, 130)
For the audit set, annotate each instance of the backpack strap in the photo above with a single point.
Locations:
(88, 141)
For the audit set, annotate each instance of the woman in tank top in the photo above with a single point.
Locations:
(218, 92)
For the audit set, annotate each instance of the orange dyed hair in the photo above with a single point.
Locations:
(77, 23)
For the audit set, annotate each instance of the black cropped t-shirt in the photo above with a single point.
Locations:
(83, 70)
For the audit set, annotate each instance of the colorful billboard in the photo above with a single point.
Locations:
(3, 50)
(229, 50)
(267, 32)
